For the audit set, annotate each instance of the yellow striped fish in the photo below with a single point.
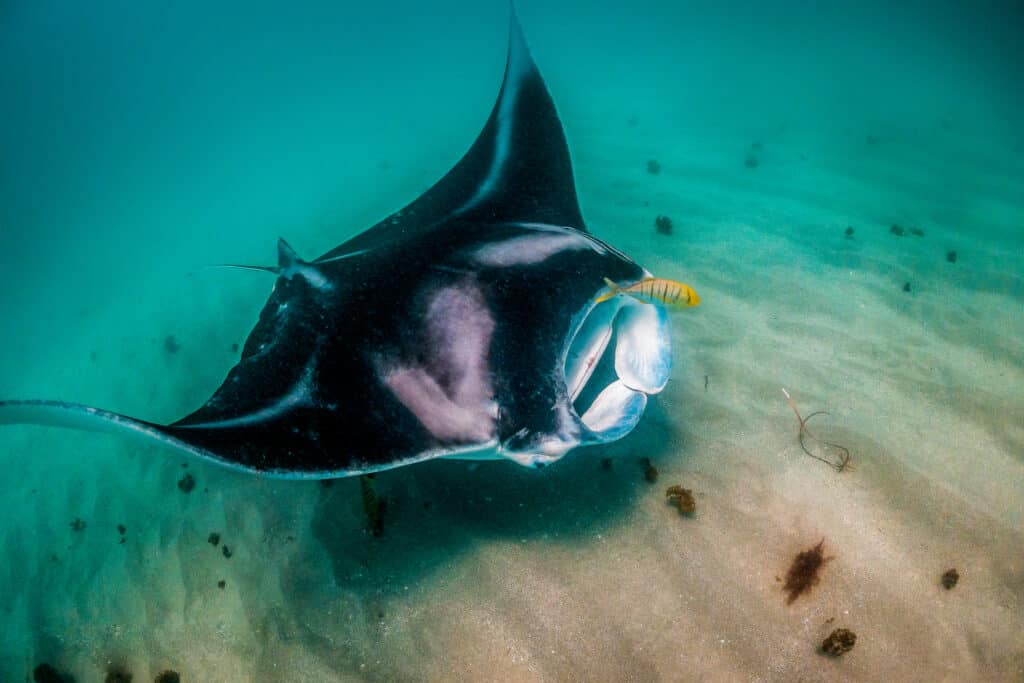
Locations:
(655, 290)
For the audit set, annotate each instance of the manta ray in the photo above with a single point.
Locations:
(475, 323)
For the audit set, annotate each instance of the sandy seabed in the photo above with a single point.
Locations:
(585, 572)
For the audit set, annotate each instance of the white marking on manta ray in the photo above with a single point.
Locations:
(528, 249)
(300, 394)
(451, 392)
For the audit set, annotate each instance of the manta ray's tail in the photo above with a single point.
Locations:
(87, 418)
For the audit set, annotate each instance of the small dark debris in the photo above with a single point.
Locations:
(118, 674)
(121, 528)
(751, 160)
(121, 542)
(44, 673)
(226, 550)
(950, 579)
(906, 287)
(221, 584)
(77, 524)
(870, 140)
(848, 232)
(606, 463)
(653, 167)
(663, 224)
(184, 465)
(427, 505)
(213, 539)
(951, 256)
(756, 146)
(633, 120)
(682, 498)
(171, 344)
(168, 676)
(804, 572)
(917, 232)
(897, 230)
(187, 483)
(650, 471)
(838, 642)
(92, 356)
(234, 348)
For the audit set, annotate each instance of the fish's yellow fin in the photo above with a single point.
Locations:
(613, 290)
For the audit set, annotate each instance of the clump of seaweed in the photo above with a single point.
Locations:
(213, 539)
(650, 471)
(44, 673)
(118, 674)
(168, 676)
(842, 461)
(950, 578)
(682, 498)
(839, 642)
(804, 572)
(663, 224)
(187, 483)
(373, 505)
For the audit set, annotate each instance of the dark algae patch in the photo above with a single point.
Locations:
(804, 572)
(650, 471)
(663, 224)
(187, 483)
(118, 674)
(950, 578)
(682, 498)
(839, 642)
(44, 673)
(373, 505)
(213, 539)
(226, 550)
(167, 677)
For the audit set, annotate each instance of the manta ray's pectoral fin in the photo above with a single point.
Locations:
(517, 171)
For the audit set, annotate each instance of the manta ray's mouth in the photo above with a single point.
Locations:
(619, 355)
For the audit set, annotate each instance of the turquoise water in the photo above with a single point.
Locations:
(142, 144)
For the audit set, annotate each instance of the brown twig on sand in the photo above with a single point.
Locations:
(844, 453)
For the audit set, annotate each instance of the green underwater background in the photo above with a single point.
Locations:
(845, 184)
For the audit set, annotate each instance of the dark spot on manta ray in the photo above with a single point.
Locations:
(213, 539)
(77, 524)
(340, 377)
(187, 483)
(663, 224)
